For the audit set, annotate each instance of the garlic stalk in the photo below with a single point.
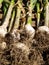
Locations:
(17, 20)
(12, 20)
(1, 3)
(3, 28)
(31, 7)
(16, 25)
(6, 21)
(29, 29)
(5, 8)
(47, 14)
(38, 14)
(45, 27)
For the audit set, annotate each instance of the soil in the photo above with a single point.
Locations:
(42, 42)
(31, 52)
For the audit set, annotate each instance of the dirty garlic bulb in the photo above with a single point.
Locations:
(3, 45)
(23, 47)
(44, 29)
(30, 30)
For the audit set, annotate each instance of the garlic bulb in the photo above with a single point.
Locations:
(3, 45)
(44, 29)
(23, 47)
(16, 34)
(3, 31)
(30, 30)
